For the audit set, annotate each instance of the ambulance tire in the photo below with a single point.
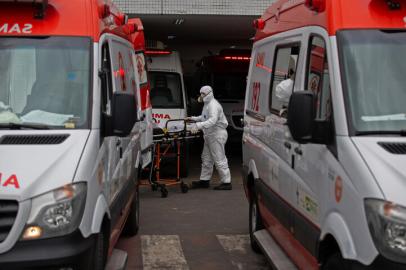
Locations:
(132, 224)
(184, 160)
(255, 222)
(100, 252)
(337, 262)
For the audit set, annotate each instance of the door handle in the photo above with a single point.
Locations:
(287, 145)
(120, 148)
(298, 151)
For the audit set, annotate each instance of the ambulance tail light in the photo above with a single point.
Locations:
(316, 5)
(237, 58)
(157, 52)
(259, 24)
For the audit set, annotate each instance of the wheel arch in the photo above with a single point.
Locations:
(336, 236)
(101, 214)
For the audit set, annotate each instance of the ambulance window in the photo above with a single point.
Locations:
(283, 77)
(123, 69)
(141, 67)
(318, 78)
(107, 86)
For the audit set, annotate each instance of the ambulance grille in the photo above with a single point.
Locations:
(394, 148)
(8, 213)
(34, 139)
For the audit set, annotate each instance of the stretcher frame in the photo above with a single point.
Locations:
(163, 144)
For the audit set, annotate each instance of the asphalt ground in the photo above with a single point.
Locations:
(201, 229)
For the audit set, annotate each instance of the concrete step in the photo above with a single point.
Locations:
(276, 256)
(117, 261)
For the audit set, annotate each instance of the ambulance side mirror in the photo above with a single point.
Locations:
(301, 116)
(124, 113)
(302, 122)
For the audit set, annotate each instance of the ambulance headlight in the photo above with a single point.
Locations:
(56, 213)
(387, 224)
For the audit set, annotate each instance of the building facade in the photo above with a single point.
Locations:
(195, 7)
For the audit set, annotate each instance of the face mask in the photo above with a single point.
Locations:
(200, 99)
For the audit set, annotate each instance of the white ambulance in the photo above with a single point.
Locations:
(167, 94)
(71, 122)
(324, 143)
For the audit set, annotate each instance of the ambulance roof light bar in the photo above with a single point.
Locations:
(316, 5)
(258, 24)
(40, 6)
(120, 18)
(393, 5)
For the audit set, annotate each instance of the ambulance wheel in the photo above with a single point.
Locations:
(133, 221)
(184, 188)
(336, 262)
(184, 160)
(100, 252)
(164, 192)
(255, 223)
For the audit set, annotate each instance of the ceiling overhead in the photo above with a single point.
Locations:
(192, 29)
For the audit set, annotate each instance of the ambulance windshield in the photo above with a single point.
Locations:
(166, 90)
(374, 78)
(45, 81)
(229, 86)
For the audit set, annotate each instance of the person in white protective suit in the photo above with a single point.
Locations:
(284, 88)
(213, 122)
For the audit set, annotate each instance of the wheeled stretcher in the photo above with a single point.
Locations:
(167, 144)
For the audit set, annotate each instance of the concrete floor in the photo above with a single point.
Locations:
(202, 229)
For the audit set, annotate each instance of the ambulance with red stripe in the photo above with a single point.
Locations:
(75, 121)
(324, 143)
(168, 93)
(227, 74)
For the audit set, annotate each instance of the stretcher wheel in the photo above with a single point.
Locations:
(164, 192)
(184, 188)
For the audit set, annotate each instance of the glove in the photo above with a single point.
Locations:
(194, 129)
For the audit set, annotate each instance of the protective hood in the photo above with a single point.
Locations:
(28, 170)
(388, 168)
(207, 93)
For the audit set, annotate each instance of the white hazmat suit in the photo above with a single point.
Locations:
(213, 122)
(284, 90)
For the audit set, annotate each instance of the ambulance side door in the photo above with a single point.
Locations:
(127, 147)
(145, 110)
(312, 160)
(110, 145)
(286, 57)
